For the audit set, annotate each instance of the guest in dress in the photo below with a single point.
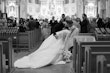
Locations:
(45, 29)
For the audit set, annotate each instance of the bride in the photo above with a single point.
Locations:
(52, 51)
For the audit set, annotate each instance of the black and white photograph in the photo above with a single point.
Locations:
(54, 36)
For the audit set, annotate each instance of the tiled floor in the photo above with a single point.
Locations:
(64, 68)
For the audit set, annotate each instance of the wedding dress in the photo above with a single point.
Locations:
(50, 52)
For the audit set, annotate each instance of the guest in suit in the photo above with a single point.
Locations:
(84, 24)
(52, 23)
(31, 24)
(100, 22)
(37, 24)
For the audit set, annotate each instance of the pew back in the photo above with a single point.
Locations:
(1, 53)
(80, 38)
(81, 51)
(27, 40)
(7, 53)
(102, 34)
(91, 53)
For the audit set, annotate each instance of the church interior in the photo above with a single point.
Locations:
(26, 24)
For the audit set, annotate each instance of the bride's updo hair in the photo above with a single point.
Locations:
(69, 21)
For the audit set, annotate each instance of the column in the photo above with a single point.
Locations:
(108, 8)
(103, 8)
(80, 7)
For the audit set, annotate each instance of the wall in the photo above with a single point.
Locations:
(108, 8)
(70, 9)
(33, 9)
(23, 8)
(79, 8)
(12, 8)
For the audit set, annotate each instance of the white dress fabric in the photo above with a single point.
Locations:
(50, 52)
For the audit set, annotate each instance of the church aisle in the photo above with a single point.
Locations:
(21, 54)
(49, 69)
(61, 68)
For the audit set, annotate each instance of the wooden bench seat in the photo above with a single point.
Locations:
(6, 35)
(78, 39)
(81, 51)
(27, 40)
(2, 63)
(7, 53)
(102, 34)
(90, 58)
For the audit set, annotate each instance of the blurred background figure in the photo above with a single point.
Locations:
(93, 25)
(84, 24)
(52, 23)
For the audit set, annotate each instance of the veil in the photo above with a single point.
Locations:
(69, 41)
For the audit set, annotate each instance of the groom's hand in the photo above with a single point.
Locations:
(56, 36)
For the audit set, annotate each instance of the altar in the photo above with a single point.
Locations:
(56, 8)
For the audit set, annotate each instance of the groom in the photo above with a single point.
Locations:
(59, 26)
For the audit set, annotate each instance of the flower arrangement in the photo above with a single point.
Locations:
(66, 56)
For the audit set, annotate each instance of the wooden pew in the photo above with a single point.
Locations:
(102, 34)
(101, 64)
(0, 59)
(27, 40)
(108, 30)
(7, 52)
(2, 63)
(78, 39)
(6, 35)
(91, 53)
(80, 46)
